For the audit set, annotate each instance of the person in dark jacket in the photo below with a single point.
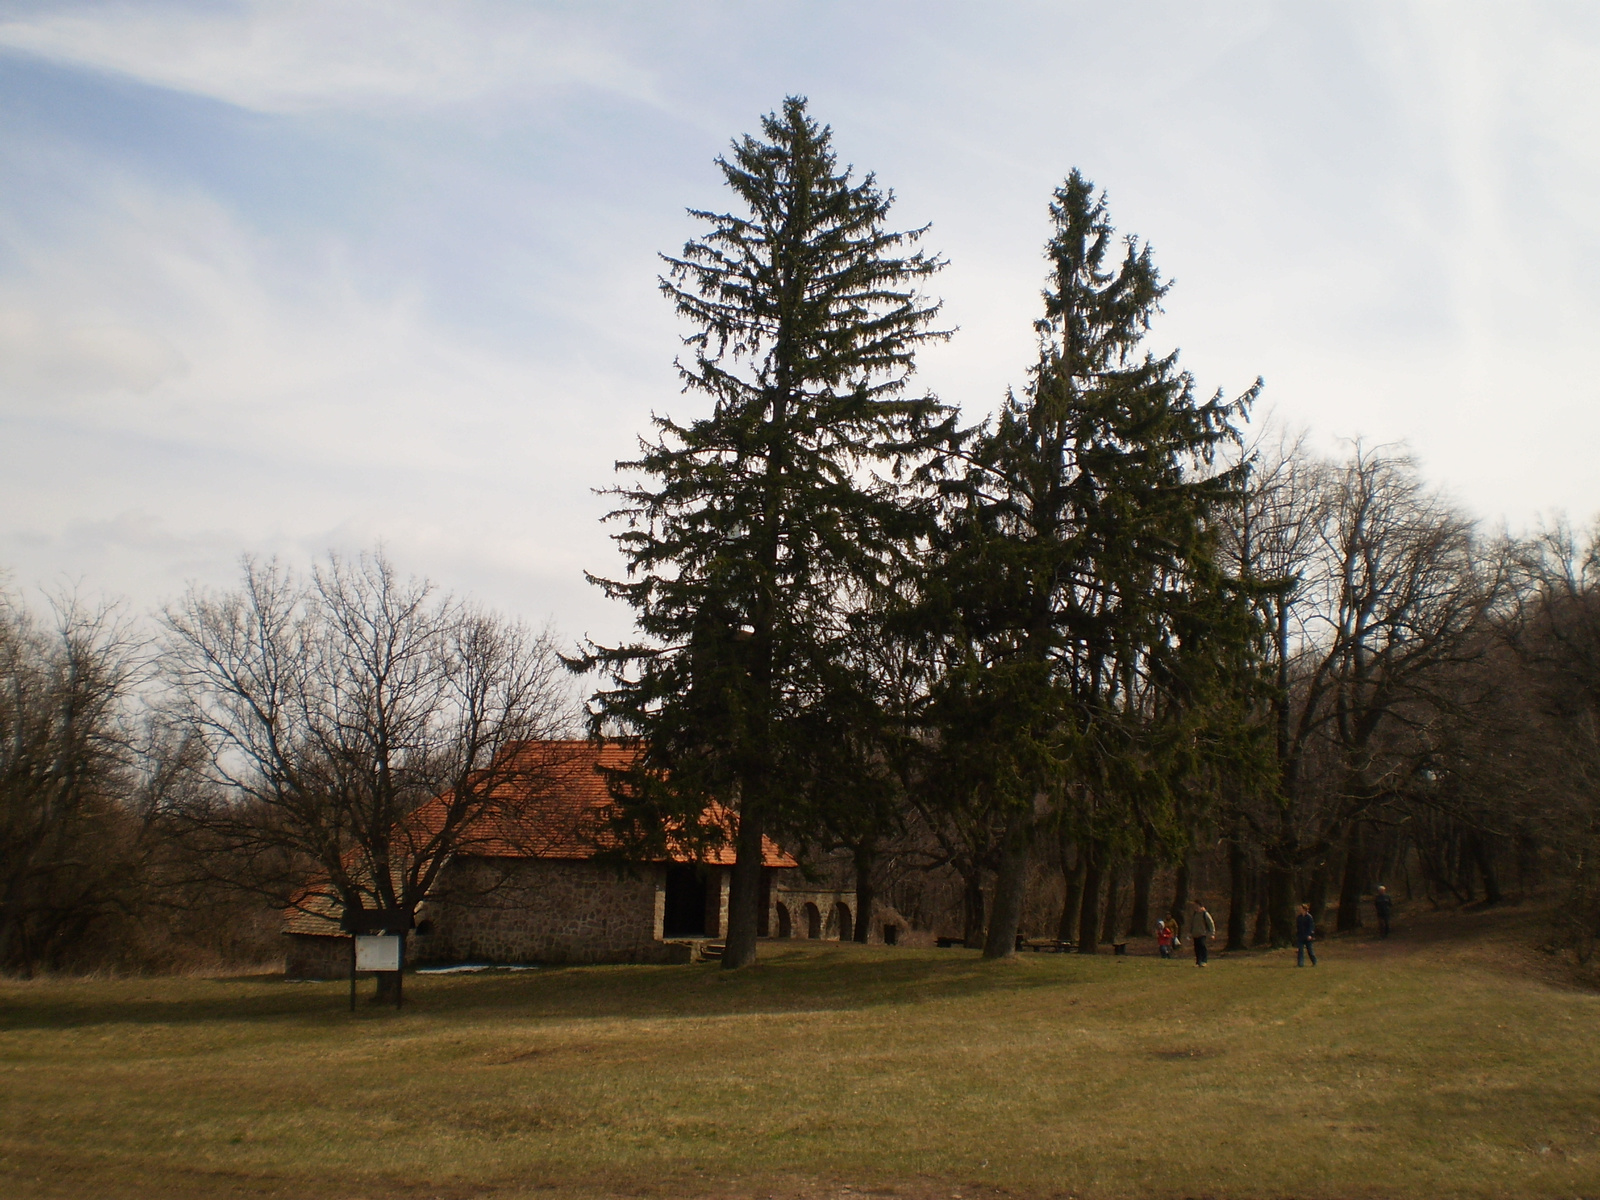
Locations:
(1201, 928)
(1383, 903)
(1305, 932)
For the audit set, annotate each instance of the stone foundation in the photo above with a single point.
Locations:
(311, 957)
(557, 911)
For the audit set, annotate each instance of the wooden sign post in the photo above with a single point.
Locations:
(377, 944)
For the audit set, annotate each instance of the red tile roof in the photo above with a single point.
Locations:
(553, 801)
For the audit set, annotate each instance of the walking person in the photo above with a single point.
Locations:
(1201, 928)
(1305, 932)
(1383, 904)
(1165, 936)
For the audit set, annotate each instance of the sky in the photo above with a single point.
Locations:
(292, 277)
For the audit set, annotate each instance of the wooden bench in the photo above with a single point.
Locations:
(1054, 945)
(1034, 944)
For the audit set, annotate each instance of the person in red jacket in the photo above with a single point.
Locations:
(1165, 936)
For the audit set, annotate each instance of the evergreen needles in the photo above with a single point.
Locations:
(754, 529)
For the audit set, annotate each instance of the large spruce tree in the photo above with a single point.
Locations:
(748, 530)
(1081, 571)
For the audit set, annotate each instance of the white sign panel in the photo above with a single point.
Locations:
(378, 953)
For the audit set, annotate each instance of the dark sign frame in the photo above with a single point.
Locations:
(369, 922)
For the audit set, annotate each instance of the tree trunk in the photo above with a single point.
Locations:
(1355, 879)
(1263, 932)
(1387, 863)
(388, 987)
(1180, 893)
(744, 893)
(1466, 869)
(1144, 873)
(1491, 881)
(1108, 926)
(973, 908)
(1011, 882)
(1067, 929)
(1528, 873)
(1436, 875)
(1089, 913)
(1280, 904)
(1317, 893)
(1238, 892)
(866, 853)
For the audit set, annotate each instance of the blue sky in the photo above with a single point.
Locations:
(287, 277)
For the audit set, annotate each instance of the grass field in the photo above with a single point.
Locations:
(1445, 1062)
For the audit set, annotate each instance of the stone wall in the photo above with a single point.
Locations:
(533, 910)
(548, 911)
(835, 915)
(311, 957)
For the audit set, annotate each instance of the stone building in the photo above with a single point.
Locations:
(531, 883)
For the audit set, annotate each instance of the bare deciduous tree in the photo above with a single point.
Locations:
(1377, 590)
(70, 845)
(328, 710)
(1542, 757)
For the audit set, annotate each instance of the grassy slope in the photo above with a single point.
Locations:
(1434, 1065)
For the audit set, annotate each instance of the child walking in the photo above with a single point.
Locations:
(1165, 936)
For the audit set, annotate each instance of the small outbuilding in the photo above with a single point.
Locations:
(533, 883)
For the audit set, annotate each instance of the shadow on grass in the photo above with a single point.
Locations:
(788, 979)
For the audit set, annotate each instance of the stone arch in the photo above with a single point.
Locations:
(841, 916)
(813, 920)
(785, 927)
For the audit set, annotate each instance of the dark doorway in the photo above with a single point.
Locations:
(813, 920)
(842, 914)
(784, 929)
(891, 934)
(686, 902)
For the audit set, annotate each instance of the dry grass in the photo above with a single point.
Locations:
(1446, 1062)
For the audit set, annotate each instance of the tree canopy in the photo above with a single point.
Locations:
(750, 531)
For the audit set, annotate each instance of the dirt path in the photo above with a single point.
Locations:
(1505, 937)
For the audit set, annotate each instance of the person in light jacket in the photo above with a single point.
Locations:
(1201, 927)
(1305, 932)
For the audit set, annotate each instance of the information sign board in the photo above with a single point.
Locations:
(378, 953)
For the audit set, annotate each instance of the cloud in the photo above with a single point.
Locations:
(50, 356)
(177, 387)
(263, 348)
(441, 329)
(293, 56)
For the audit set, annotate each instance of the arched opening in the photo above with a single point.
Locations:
(685, 914)
(813, 920)
(785, 929)
(841, 914)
